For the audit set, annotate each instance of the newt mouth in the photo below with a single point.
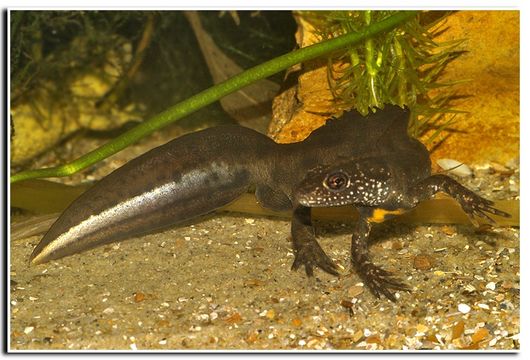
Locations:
(317, 198)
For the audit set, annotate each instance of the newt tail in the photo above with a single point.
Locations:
(158, 189)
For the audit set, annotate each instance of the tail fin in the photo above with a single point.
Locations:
(178, 181)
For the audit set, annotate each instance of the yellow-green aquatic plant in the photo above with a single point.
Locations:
(400, 66)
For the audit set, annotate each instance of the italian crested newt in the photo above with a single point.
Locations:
(368, 162)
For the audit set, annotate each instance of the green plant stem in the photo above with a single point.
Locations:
(213, 94)
(371, 67)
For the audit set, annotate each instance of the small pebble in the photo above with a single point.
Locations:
(195, 328)
(501, 169)
(479, 335)
(421, 329)
(470, 288)
(373, 339)
(28, 329)
(507, 285)
(203, 317)
(301, 342)
(108, 310)
(296, 322)
(423, 262)
(454, 167)
(355, 291)
(448, 230)
(490, 286)
(234, 318)
(464, 308)
(270, 314)
(254, 282)
(357, 336)
(514, 187)
(346, 303)
(139, 297)
(458, 330)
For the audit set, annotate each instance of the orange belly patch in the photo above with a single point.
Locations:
(380, 215)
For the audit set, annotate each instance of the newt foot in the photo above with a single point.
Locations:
(380, 281)
(310, 255)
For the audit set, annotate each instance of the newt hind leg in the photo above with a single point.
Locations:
(473, 204)
(379, 281)
(273, 199)
(306, 248)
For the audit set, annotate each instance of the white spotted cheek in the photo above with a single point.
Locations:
(341, 198)
(312, 197)
(325, 198)
(372, 192)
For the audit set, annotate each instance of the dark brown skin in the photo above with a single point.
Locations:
(370, 163)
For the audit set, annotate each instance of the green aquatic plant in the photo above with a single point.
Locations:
(215, 93)
(400, 66)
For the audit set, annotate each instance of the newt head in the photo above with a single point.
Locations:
(366, 182)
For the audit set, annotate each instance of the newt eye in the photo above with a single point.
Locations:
(336, 181)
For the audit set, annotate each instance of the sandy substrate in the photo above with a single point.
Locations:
(224, 282)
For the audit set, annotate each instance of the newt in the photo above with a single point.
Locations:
(368, 162)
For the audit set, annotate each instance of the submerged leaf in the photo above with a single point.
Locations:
(251, 105)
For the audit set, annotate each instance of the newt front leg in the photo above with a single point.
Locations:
(473, 204)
